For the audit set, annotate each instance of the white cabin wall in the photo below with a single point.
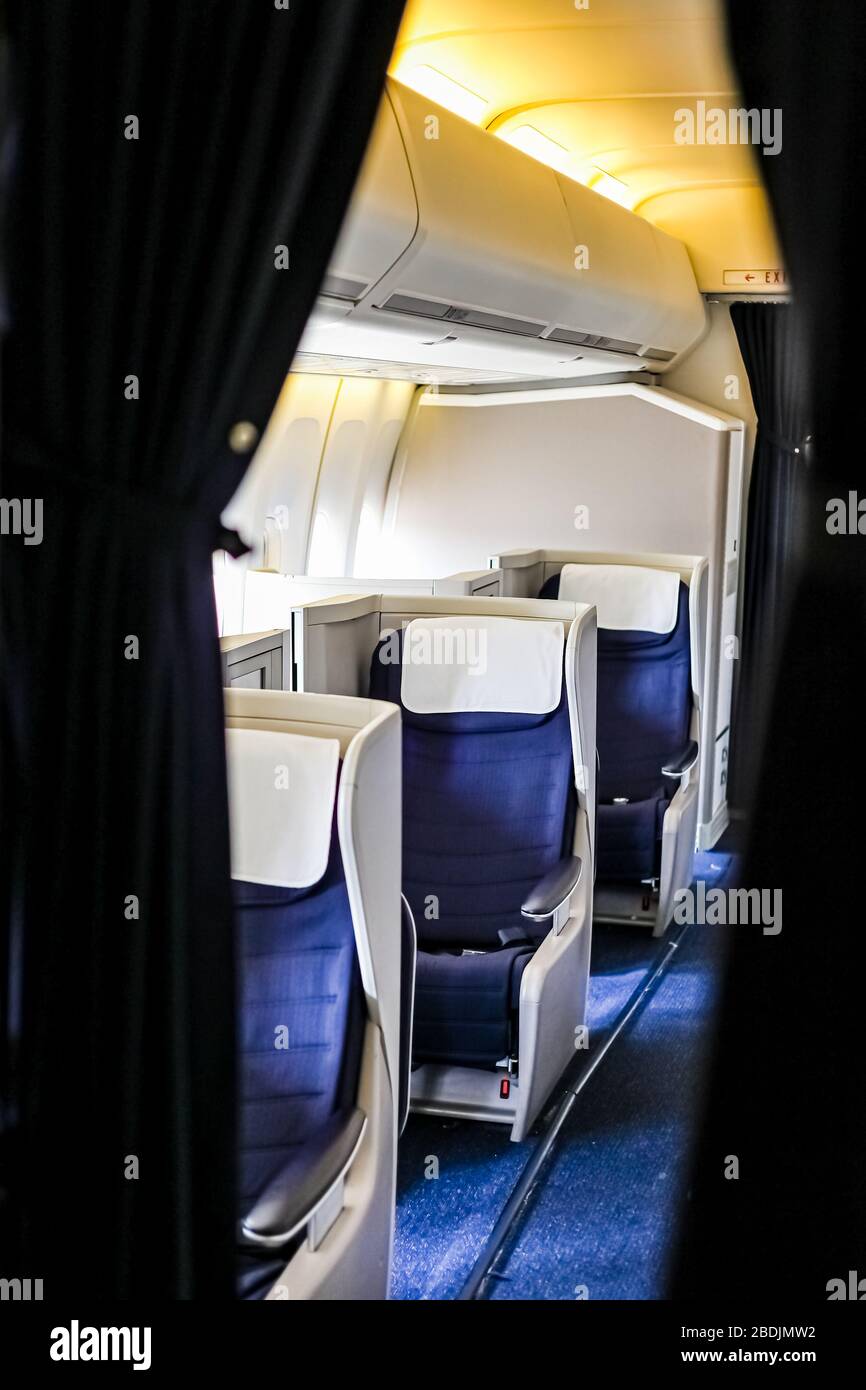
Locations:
(478, 480)
(349, 503)
(715, 374)
(282, 478)
(317, 484)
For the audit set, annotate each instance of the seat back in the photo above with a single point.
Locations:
(488, 773)
(644, 672)
(314, 796)
(301, 1006)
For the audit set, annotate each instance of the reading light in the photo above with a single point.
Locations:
(540, 146)
(612, 188)
(430, 82)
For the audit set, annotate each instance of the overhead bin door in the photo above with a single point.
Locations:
(383, 214)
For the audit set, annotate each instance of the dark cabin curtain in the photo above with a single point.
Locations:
(161, 155)
(770, 347)
(787, 1090)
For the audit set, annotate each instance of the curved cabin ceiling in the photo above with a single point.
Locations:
(594, 91)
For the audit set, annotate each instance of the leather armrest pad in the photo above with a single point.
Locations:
(552, 890)
(687, 759)
(296, 1190)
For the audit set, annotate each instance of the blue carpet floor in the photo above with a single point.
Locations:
(603, 1221)
(617, 1176)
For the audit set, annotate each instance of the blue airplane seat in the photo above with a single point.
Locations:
(488, 810)
(301, 1006)
(298, 972)
(323, 1033)
(643, 716)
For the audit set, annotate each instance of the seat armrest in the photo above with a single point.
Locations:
(409, 960)
(549, 898)
(292, 1196)
(683, 763)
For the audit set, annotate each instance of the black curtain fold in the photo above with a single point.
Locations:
(771, 349)
(151, 258)
(787, 1090)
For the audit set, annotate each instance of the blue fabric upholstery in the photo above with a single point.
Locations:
(298, 970)
(643, 718)
(464, 1004)
(488, 808)
(629, 838)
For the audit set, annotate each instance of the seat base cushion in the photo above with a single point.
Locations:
(629, 839)
(464, 1004)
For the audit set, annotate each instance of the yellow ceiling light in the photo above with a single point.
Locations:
(540, 146)
(432, 83)
(610, 187)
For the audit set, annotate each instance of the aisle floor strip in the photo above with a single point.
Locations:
(515, 1209)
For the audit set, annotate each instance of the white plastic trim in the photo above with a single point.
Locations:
(653, 395)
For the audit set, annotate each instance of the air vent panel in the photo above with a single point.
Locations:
(501, 323)
(472, 318)
(593, 340)
(619, 345)
(571, 335)
(410, 304)
(343, 287)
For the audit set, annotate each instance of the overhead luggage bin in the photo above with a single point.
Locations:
(466, 260)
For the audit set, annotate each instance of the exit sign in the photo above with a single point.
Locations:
(757, 279)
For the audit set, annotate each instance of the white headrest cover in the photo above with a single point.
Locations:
(627, 597)
(453, 665)
(281, 802)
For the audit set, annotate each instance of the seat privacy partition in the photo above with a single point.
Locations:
(498, 707)
(314, 798)
(252, 600)
(651, 698)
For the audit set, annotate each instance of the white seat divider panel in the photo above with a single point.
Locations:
(627, 597)
(466, 664)
(282, 789)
